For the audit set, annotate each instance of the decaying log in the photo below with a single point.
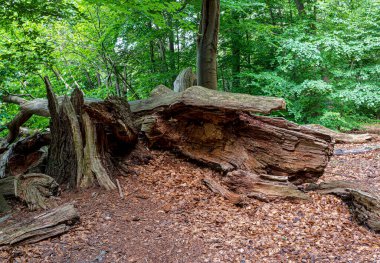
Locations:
(229, 140)
(185, 80)
(65, 159)
(219, 189)
(25, 155)
(48, 224)
(216, 128)
(341, 137)
(356, 151)
(253, 185)
(364, 203)
(33, 189)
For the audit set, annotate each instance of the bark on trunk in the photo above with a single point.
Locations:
(300, 7)
(208, 44)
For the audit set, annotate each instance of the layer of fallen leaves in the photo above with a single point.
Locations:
(168, 215)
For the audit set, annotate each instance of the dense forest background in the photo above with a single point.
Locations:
(322, 56)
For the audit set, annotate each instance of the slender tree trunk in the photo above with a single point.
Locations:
(271, 12)
(208, 44)
(98, 79)
(300, 7)
(236, 37)
(171, 44)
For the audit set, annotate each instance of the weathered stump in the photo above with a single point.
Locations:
(85, 137)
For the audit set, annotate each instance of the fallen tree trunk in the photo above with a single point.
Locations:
(341, 137)
(48, 224)
(364, 203)
(215, 128)
(228, 137)
(33, 189)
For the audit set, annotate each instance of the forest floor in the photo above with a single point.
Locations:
(168, 215)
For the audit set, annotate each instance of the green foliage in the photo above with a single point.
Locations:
(323, 61)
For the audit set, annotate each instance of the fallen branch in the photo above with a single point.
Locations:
(48, 224)
(219, 189)
(356, 151)
(262, 186)
(341, 137)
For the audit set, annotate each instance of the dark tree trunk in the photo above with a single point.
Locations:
(208, 44)
(300, 7)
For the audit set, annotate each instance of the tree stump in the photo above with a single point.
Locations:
(85, 138)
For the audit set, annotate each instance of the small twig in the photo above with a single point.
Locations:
(120, 190)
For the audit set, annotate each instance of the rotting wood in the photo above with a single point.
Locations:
(233, 140)
(33, 189)
(357, 150)
(36, 228)
(25, 155)
(86, 137)
(197, 96)
(253, 185)
(364, 203)
(219, 130)
(340, 137)
(219, 189)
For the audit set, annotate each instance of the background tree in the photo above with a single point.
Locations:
(207, 44)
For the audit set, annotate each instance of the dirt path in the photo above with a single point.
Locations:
(169, 216)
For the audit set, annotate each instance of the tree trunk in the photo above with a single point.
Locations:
(212, 127)
(236, 38)
(207, 44)
(216, 128)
